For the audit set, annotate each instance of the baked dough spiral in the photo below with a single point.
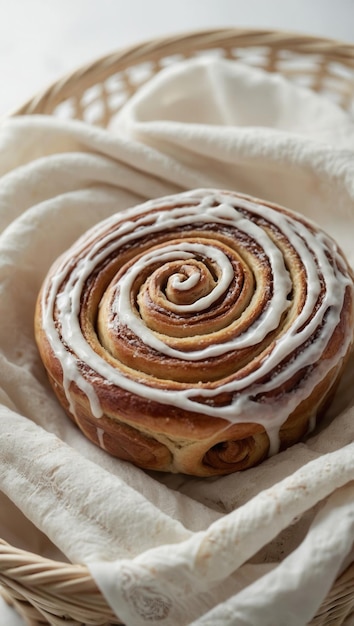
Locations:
(197, 333)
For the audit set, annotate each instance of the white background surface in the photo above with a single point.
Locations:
(41, 40)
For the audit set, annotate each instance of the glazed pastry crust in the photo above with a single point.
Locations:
(136, 421)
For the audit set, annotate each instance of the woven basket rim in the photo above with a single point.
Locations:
(334, 49)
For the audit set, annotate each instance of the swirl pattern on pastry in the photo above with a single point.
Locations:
(197, 333)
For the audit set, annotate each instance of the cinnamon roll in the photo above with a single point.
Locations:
(197, 333)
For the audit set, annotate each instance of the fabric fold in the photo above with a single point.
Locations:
(169, 549)
(59, 490)
(188, 579)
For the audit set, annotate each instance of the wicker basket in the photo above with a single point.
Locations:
(48, 592)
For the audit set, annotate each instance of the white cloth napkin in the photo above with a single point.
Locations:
(171, 549)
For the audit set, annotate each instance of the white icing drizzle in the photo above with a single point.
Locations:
(312, 424)
(100, 434)
(171, 253)
(185, 285)
(62, 294)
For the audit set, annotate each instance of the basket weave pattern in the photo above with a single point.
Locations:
(61, 594)
(96, 92)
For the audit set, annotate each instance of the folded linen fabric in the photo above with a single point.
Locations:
(210, 543)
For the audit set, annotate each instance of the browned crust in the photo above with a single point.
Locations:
(166, 438)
